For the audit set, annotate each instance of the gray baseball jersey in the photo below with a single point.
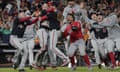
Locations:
(113, 29)
(75, 9)
(112, 23)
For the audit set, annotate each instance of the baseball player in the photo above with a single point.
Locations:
(100, 42)
(108, 43)
(111, 22)
(70, 19)
(54, 25)
(104, 41)
(42, 35)
(30, 34)
(76, 41)
(72, 8)
(92, 21)
(14, 40)
(17, 40)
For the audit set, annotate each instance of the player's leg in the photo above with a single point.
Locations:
(101, 51)
(31, 45)
(67, 43)
(15, 42)
(96, 54)
(117, 44)
(81, 46)
(53, 41)
(24, 57)
(42, 36)
(117, 41)
(95, 46)
(70, 52)
(52, 56)
(109, 44)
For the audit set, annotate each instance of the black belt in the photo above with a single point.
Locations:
(101, 37)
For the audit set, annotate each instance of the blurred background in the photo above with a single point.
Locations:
(9, 10)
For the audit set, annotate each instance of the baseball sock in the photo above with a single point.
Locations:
(87, 60)
(72, 60)
(112, 58)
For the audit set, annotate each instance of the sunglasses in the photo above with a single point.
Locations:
(99, 14)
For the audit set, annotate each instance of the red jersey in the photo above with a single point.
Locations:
(74, 35)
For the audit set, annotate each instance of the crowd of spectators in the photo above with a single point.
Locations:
(9, 10)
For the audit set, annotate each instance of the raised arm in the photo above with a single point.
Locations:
(85, 17)
(33, 21)
(24, 19)
(110, 21)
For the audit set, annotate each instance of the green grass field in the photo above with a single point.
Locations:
(62, 69)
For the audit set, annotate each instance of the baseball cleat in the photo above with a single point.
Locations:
(54, 67)
(34, 66)
(21, 70)
(41, 68)
(30, 67)
(99, 66)
(14, 66)
(73, 68)
(65, 62)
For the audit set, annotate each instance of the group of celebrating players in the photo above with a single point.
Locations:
(103, 30)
